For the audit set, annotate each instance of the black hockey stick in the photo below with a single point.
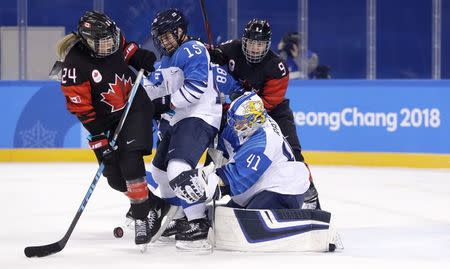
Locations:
(205, 19)
(45, 250)
(209, 34)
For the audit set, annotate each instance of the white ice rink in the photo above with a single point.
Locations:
(387, 218)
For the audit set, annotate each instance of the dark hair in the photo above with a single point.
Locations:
(290, 40)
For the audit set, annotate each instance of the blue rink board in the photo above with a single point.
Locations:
(372, 116)
(408, 116)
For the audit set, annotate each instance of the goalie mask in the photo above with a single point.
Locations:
(99, 33)
(256, 40)
(169, 30)
(246, 114)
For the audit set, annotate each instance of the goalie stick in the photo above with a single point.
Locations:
(212, 236)
(211, 233)
(45, 250)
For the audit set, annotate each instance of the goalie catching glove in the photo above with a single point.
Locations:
(164, 81)
(196, 185)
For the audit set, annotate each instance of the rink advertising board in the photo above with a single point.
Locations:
(373, 116)
(378, 117)
(355, 120)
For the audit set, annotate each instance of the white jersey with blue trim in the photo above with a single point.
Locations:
(263, 161)
(198, 96)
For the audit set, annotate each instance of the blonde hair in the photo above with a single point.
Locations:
(63, 45)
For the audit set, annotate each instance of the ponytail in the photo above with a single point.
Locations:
(63, 45)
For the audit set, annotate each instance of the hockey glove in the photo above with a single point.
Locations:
(139, 58)
(217, 56)
(196, 185)
(103, 150)
(164, 81)
(162, 105)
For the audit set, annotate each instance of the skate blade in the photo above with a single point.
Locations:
(142, 248)
(337, 241)
(166, 240)
(199, 246)
(129, 224)
(166, 220)
(211, 239)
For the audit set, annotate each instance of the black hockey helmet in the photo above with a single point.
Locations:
(99, 33)
(256, 40)
(165, 29)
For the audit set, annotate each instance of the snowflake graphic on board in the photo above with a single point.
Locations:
(38, 137)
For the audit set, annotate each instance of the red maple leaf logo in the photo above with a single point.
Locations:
(117, 94)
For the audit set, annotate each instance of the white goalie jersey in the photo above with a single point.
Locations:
(258, 164)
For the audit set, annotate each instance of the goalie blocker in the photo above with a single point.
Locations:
(274, 230)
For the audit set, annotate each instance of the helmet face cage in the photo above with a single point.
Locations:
(246, 115)
(165, 30)
(167, 42)
(99, 33)
(104, 46)
(256, 40)
(255, 50)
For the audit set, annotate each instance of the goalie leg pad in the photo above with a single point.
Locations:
(275, 230)
(273, 200)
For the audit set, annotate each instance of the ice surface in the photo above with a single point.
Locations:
(387, 218)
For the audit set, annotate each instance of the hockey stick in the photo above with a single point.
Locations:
(213, 216)
(209, 34)
(205, 19)
(45, 250)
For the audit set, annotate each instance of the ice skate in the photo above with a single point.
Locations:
(195, 238)
(311, 198)
(142, 229)
(175, 227)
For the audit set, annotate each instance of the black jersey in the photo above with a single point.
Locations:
(97, 89)
(269, 77)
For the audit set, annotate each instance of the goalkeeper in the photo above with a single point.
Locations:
(257, 166)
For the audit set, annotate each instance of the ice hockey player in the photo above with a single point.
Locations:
(259, 169)
(258, 68)
(196, 119)
(267, 187)
(96, 80)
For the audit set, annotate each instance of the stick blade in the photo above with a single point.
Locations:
(42, 251)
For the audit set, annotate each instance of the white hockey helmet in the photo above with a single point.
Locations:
(246, 114)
